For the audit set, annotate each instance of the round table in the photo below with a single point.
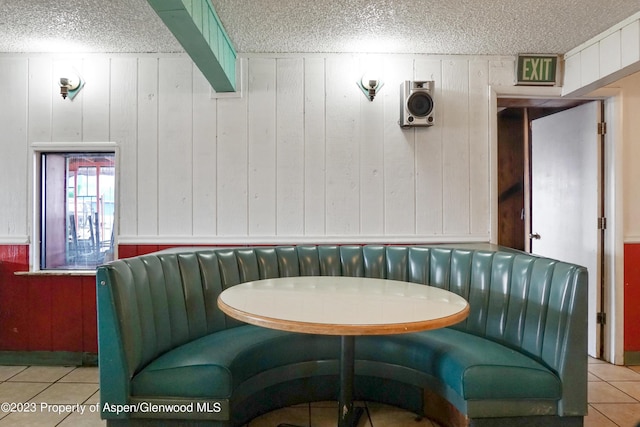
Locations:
(345, 306)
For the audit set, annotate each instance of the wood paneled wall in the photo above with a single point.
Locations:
(301, 156)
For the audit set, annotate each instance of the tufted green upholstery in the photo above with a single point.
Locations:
(521, 351)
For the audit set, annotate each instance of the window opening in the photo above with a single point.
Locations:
(77, 210)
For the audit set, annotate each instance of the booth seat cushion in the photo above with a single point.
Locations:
(474, 367)
(213, 366)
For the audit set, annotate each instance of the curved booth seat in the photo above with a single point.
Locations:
(169, 356)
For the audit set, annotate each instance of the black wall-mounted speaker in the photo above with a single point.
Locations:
(416, 103)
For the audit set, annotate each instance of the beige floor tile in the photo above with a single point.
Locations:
(88, 419)
(596, 419)
(42, 374)
(328, 417)
(292, 415)
(614, 396)
(623, 414)
(36, 419)
(7, 372)
(390, 416)
(609, 372)
(82, 375)
(591, 377)
(601, 392)
(11, 392)
(67, 393)
(93, 399)
(632, 388)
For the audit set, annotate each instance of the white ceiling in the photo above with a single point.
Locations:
(494, 27)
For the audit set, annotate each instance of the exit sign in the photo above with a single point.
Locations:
(537, 70)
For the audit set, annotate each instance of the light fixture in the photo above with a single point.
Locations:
(70, 84)
(370, 85)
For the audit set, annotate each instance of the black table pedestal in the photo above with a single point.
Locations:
(348, 416)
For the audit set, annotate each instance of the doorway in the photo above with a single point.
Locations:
(550, 188)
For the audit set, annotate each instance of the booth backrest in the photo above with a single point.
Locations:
(165, 299)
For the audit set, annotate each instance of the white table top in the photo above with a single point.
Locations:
(336, 305)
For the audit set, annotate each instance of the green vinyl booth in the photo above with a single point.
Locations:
(169, 356)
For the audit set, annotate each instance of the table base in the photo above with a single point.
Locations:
(348, 416)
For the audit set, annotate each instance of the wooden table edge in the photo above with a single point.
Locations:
(342, 329)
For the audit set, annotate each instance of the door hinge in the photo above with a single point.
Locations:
(602, 128)
(602, 223)
(601, 318)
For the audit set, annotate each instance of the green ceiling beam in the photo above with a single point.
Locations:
(198, 29)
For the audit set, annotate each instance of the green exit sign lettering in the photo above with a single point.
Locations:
(537, 70)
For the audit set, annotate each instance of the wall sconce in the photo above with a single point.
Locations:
(70, 85)
(370, 86)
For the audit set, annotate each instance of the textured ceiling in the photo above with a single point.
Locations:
(496, 27)
(419, 26)
(83, 26)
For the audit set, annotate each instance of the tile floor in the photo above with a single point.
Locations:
(68, 396)
(614, 395)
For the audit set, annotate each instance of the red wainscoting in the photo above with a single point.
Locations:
(55, 313)
(632, 297)
(44, 313)
(58, 313)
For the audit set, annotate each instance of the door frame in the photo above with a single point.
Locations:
(578, 123)
(613, 294)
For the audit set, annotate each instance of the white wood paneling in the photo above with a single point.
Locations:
(342, 128)
(429, 173)
(455, 136)
(610, 60)
(41, 90)
(607, 57)
(501, 71)
(123, 122)
(231, 173)
(630, 44)
(479, 148)
(41, 87)
(146, 171)
(399, 156)
(95, 102)
(290, 147)
(302, 156)
(262, 146)
(204, 157)
(66, 114)
(13, 157)
(314, 146)
(572, 73)
(372, 136)
(175, 147)
(590, 64)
